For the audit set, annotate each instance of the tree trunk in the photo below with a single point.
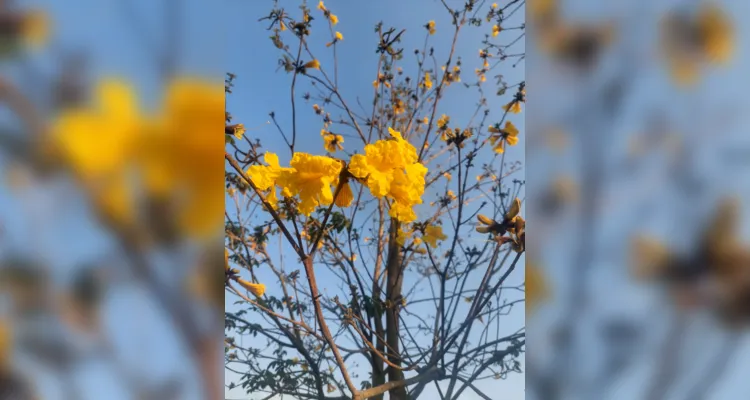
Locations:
(394, 284)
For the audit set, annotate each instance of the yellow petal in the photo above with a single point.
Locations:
(255, 288)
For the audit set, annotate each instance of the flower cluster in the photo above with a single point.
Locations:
(389, 168)
(512, 224)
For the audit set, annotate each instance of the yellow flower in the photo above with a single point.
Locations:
(536, 287)
(345, 196)
(265, 177)
(311, 180)
(509, 134)
(432, 234)
(494, 6)
(443, 121)
(332, 142)
(35, 28)
(426, 120)
(717, 32)
(448, 176)
(334, 19)
(314, 64)
(321, 6)
(255, 288)
(401, 236)
(431, 27)
(398, 107)
(427, 81)
(100, 142)
(496, 30)
(238, 131)
(513, 107)
(337, 37)
(390, 169)
(515, 208)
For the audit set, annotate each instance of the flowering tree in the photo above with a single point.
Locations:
(403, 227)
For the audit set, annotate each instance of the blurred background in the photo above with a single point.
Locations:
(638, 186)
(107, 234)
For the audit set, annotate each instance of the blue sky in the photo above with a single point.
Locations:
(260, 89)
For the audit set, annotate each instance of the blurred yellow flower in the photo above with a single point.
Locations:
(432, 234)
(98, 142)
(717, 33)
(496, 30)
(339, 36)
(191, 108)
(334, 19)
(35, 28)
(536, 287)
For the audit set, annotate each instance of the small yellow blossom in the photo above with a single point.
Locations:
(257, 289)
(238, 131)
(399, 107)
(426, 121)
(314, 64)
(509, 135)
(339, 36)
(321, 6)
(494, 6)
(431, 27)
(513, 107)
(427, 81)
(334, 19)
(447, 176)
(496, 30)
(443, 121)
(432, 234)
(332, 142)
